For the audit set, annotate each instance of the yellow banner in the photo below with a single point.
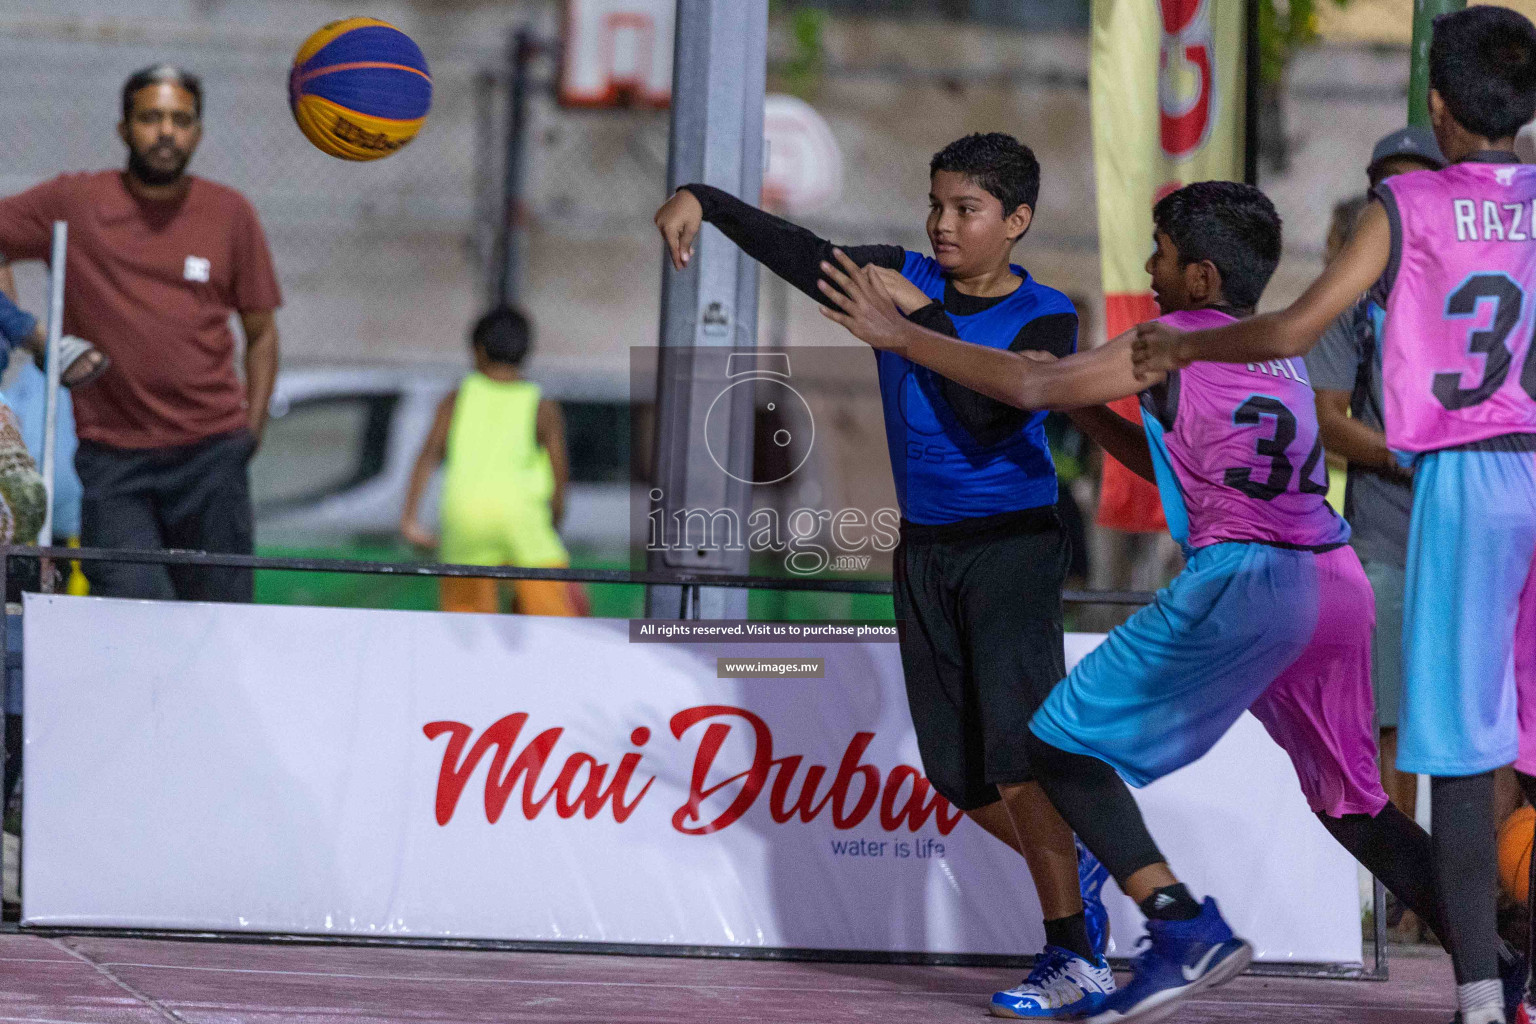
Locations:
(1167, 85)
(1167, 89)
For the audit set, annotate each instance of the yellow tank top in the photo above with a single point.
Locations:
(497, 478)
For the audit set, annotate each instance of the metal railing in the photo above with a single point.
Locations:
(500, 572)
(691, 584)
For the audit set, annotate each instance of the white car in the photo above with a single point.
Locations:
(341, 442)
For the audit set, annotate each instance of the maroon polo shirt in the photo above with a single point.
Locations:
(151, 284)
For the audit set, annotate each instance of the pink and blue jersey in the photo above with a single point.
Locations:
(1272, 614)
(1459, 379)
(1460, 300)
(1238, 453)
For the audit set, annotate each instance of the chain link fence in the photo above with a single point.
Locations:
(374, 258)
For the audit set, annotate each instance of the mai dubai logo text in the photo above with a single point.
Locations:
(736, 765)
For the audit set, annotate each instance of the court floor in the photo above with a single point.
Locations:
(95, 980)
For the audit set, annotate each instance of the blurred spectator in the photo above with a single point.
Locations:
(1346, 373)
(23, 390)
(23, 500)
(19, 329)
(1346, 212)
(504, 487)
(158, 260)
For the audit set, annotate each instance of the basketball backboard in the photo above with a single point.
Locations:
(617, 53)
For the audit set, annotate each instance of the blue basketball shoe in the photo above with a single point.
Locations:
(1061, 985)
(1513, 971)
(1181, 958)
(1091, 876)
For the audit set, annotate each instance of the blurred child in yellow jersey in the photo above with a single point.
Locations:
(503, 446)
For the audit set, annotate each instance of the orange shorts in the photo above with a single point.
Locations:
(529, 597)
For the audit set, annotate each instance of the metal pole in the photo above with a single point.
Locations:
(1424, 14)
(52, 370)
(521, 48)
(719, 75)
(1252, 69)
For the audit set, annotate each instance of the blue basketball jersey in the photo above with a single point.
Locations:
(942, 473)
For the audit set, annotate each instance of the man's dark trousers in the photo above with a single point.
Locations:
(195, 496)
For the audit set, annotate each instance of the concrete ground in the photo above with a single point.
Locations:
(93, 980)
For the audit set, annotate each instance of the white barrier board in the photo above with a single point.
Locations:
(358, 772)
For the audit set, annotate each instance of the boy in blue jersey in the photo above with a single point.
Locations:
(982, 559)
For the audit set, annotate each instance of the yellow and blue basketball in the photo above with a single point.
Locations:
(360, 89)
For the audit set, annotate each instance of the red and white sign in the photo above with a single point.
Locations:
(367, 773)
(1186, 83)
(805, 163)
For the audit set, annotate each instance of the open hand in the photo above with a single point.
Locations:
(864, 306)
(1154, 352)
(679, 220)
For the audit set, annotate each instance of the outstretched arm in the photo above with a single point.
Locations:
(862, 304)
(1289, 332)
(788, 250)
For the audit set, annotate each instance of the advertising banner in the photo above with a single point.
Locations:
(1167, 89)
(375, 773)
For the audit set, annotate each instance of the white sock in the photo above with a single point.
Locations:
(1481, 1002)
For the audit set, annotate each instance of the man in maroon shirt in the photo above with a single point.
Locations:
(158, 259)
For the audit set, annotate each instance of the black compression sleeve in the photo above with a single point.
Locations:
(988, 420)
(933, 317)
(788, 250)
(1055, 333)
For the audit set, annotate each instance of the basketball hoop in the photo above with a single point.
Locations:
(617, 53)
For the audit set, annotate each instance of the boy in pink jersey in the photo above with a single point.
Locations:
(1272, 614)
(1452, 257)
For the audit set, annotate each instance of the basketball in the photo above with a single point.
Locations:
(360, 89)
(1515, 853)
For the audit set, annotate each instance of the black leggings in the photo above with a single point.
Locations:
(1466, 873)
(1096, 802)
(1396, 850)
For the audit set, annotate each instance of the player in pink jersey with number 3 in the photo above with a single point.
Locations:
(1451, 256)
(1272, 614)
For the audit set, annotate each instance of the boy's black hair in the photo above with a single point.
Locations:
(504, 335)
(1482, 62)
(154, 75)
(999, 163)
(1235, 226)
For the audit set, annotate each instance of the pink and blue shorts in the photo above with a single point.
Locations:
(1283, 632)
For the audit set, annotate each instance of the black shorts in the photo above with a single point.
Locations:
(981, 645)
